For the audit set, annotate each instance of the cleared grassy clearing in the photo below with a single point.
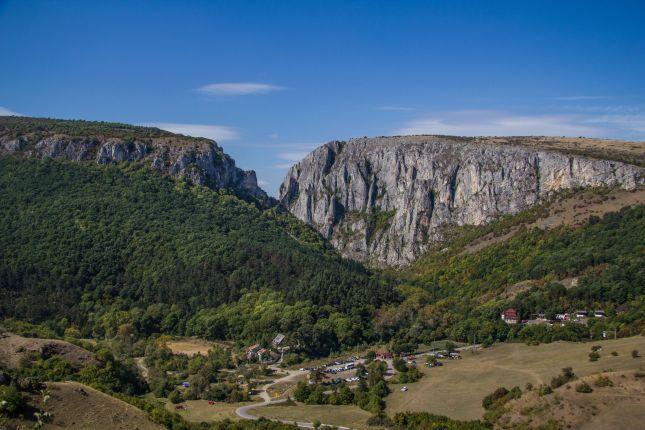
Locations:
(347, 416)
(457, 388)
(192, 346)
(199, 410)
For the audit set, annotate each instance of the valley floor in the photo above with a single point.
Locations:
(457, 388)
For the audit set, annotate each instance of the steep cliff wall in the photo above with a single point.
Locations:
(382, 200)
(200, 161)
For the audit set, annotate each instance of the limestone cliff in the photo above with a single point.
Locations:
(198, 160)
(384, 200)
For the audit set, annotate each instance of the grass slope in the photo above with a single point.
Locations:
(457, 388)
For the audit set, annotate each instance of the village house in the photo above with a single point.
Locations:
(582, 314)
(599, 314)
(509, 316)
(252, 351)
(563, 317)
(278, 340)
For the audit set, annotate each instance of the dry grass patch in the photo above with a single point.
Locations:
(14, 348)
(199, 410)
(619, 405)
(457, 388)
(192, 346)
(347, 416)
(77, 406)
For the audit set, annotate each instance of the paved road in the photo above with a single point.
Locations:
(243, 411)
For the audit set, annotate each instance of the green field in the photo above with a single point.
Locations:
(457, 389)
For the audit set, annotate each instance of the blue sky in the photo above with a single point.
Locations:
(270, 80)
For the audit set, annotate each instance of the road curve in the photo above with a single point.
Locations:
(243, 411)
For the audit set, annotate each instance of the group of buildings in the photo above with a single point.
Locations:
(271, 354)
(511, 316)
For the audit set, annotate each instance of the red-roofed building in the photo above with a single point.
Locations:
(509, 316)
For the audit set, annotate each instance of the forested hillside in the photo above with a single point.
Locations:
(98, 247)
(461, 296)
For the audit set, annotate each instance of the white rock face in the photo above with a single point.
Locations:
(203, 163)
(383, 200)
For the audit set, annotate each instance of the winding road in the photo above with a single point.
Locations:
(243, 411)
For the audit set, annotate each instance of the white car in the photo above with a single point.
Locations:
(404, 389)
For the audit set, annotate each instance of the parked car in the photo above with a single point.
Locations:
(404, 389)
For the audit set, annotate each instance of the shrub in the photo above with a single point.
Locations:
(175, 396)
(543, 390)
(596, 348)
(594, 356)
(614, 353)
(302, 392)
(566, 376)
(604, 381)
(583, 387)
(635, 354)
(11, 401)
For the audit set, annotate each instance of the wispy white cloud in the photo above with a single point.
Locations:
(497, 123)
(291, 157)
(579, 98)
(263, 183)
(283, 165)
(8, 112)
(219, 133)
(239, 88)
(394, 108)
(294, 156)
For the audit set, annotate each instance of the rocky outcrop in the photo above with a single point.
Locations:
(385, 200)
(200, 161)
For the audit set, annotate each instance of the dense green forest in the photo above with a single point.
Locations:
(101, 246)
(120, 250)
(461, 296)
(98, 247)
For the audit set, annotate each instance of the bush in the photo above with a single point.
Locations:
(635, 354)
(566, 376)
(583, 387)
(604, 381)
(11, 401)
(380, 420)
(489, 401)
(302, 392)
(594, 356)
(543, 390)
(614, 353)
(175, 396)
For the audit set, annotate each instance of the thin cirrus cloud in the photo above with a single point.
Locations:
(496, 123)
(580, 98)
(8, 112)
(219, 133)
(297, 151)
(394, 108)
(239, 88)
